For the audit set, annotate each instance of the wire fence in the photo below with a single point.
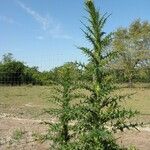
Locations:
(19, 78)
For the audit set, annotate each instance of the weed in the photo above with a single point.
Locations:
(18, 134)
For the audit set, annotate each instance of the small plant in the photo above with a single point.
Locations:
(61, 131)
(18, 134)
(133, 148)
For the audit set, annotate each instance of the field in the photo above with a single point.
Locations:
(21, 112)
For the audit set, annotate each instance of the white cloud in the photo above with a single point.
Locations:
(41, 20)
(7, 19)
(48, 25)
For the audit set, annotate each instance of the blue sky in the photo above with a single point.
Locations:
(45, 33)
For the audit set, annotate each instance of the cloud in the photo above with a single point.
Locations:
(7, 19)
(47, 24)
(41, 20)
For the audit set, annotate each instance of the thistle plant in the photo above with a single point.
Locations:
(101, 113)
(61, 131)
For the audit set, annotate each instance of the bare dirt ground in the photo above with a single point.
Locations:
(9, 125)
(141, 140)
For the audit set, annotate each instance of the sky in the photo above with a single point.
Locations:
(46, 33)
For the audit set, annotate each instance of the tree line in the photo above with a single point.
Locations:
(14, 72)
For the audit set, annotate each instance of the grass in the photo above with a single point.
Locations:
(29, 101)
(140, 100)
(17, 134)
(21, 95)
(24, 101)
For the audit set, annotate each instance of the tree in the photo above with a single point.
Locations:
(7, 58)
(15, 72)
(100, 114)
(133, 44)
(12, 72)
(32, 76)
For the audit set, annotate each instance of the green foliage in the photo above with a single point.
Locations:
(8, 57)
(58, 72)
(14, 72)
(64, 89)
(101, 113)
(32, 76)
(11, 71)
(134, 47)
(17, 134)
